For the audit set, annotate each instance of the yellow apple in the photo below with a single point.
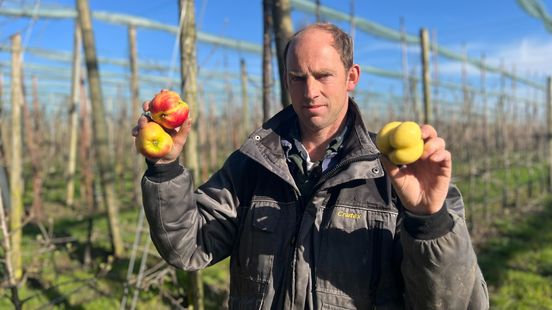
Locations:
(153, 141)
(382, 138)
(401, 142)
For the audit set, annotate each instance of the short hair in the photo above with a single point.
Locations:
(342, 42)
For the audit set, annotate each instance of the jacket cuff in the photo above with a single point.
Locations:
(427, 227)
(163, 172)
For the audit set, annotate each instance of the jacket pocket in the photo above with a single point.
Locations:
(261, 242)
(247, 294)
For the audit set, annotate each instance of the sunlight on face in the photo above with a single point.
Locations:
(318, 82)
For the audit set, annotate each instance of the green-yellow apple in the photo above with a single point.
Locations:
(153, 141)
(401, 141)
(168, 110)
(382, 138)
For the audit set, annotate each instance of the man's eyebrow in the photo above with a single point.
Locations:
(323, 72)
(296, 73)
(316, 73)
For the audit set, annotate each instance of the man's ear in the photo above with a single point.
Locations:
(353, 76)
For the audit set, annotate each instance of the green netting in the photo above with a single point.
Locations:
(309, 7)
(396, 36)
(126, 20)
(536, 9)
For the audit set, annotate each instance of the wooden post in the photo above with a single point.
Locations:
(188, 75)
(405, 80)
(245, 104)
(6, 247)
(16, 188)
(549, 131)
(435, 62)
(282, 32)
(212, 139)
(74, 117)
(137, 168)
(103, 157)
(426, 77)
(352, 19)
(267, 58)
(317, 3)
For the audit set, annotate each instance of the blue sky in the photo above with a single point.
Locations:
(500, 29)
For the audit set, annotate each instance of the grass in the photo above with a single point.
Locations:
(58, 276)
(517, 263)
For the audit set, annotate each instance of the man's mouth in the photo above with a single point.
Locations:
(313, 106)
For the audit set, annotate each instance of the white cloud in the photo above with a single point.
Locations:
(526, 56)
(530, 55)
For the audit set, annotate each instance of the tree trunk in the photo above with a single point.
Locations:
(87, 177)
(16, 188)
(267, 58)
(188, 74)
(282, 32)
(73, 118)
(103, 157)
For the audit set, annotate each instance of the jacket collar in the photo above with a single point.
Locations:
(264, 146)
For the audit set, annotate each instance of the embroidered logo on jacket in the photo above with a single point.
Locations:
(348, 215)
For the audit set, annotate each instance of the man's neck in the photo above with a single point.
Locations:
(316, 141)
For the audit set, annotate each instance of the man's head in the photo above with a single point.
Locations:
(342, 42)
(319, 75)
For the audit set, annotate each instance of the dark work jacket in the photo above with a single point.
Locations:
(354, 247)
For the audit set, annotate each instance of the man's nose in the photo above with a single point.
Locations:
(312, 89)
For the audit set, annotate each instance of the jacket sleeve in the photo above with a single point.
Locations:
(190, 229)
(439, 265)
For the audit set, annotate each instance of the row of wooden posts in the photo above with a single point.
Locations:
(276, 27)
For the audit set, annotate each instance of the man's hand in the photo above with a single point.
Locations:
(423, 185)
(179, 136)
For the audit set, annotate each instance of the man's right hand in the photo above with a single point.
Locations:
(179, 136)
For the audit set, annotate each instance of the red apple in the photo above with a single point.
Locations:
(153, 141)
(168, 110)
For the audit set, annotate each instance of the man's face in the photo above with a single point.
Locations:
(318, 82)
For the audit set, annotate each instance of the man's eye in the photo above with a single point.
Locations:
(324, 76)
(297, 78)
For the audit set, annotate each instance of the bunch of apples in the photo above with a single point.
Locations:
(167, 112)
(401, 142)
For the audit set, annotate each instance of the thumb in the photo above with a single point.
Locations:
(182, 134)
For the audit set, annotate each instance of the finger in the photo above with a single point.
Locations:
(428, 131)
(146, 105)
(142, 121)
(182, 133)
(135, 131)
(433, 145)
(391, 168)
(442, 156)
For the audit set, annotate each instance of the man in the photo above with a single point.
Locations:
(307, 212)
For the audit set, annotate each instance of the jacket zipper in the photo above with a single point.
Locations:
(376, 262)
(293, 244)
